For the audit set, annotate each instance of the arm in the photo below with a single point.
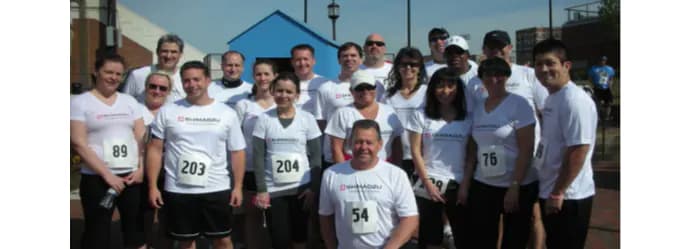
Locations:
(138, 175)
(259, 151)
(396, 152)
(237, 159)
(403, 232)
(154, 156)
(525, 143)
(314, 154)
(79, 141)
(328, 231)
(337, 148)
(418, 160)
(470, 166)
(574, 160)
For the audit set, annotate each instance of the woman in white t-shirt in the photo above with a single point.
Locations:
(504, 181)
(438, 141)
(248, 110)
(106, 130)
(406, 95)
(365, 106)
(287, 164)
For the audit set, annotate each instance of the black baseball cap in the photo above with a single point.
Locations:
(496, 37)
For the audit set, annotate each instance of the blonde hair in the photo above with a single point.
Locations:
(162, 74)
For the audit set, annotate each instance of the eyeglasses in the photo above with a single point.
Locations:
(160, 88)
(409, 64)
(364, 87)
(436, 38)
(377, 43)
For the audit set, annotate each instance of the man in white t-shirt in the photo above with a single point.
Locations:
(457, 55)
(375, 61)
(564, 155)
(302, 62)
(366, 202)
(230, 89)
(200, 135)
(169, 50)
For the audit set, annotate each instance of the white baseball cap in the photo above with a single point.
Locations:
(361, 77)
(457, 40)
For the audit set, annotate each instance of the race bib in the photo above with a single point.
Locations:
(603, 78)
(287, 168)
(441, 182)
(491, 160)
(539, 155)
(192, 169)
(120, 153)
(363, 216)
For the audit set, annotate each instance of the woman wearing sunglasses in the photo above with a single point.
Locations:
(365, 106)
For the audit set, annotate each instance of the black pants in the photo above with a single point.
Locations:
(431, 220)
(568, 228)
(287, 221)
(97, 219)
(486, 206)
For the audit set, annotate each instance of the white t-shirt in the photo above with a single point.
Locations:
(308, 89)
(229, 96)
(340, 126)
(109, 130)
(286, 144)
(405, 108)
(499, 128)
(384, 187)
(570, 118)
(136, 84)
(248, 111)
(147, 115)
(380, 74)
(197, 140)
(432, 66)
(330, 97)
(522, 82)
(443, 144)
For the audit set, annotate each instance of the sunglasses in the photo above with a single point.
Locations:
(410, 64)
(377, 43)
(363, 88)
(436, 38)
(160, 88)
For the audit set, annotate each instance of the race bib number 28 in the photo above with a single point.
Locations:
(363, 216)
(440, 182)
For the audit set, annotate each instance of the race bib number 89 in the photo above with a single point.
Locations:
(193, 170)
(362, 216)
(120, 153)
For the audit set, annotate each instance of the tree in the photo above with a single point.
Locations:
(610, 14)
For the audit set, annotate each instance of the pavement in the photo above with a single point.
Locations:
(604, 229)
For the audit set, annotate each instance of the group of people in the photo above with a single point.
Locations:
(383, 153)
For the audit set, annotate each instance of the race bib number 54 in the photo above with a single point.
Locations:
(362, 216)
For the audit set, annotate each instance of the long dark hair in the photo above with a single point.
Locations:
(432, 108)
(394, 76)
(270, 63)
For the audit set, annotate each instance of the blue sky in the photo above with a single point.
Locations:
(209, 24)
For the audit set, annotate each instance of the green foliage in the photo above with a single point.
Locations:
(610, 13)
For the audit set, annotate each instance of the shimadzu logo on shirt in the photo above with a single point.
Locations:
(343, 95)
(198, 120)
(111, 116)
(448, 136)
(361, 187)
(282, 140)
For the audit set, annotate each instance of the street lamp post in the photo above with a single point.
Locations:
(333, 14)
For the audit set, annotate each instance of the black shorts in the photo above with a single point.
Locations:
(192, 215)
(603, 95)
(249, 181)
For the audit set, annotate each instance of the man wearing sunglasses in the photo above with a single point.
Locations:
(457, 57)
(169, 51)
(375, 63)
(437, 46)
(230, 89)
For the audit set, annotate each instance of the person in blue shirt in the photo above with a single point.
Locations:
(601, 76)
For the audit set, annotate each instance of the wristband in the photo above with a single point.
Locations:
(556, 196)
(514, 183)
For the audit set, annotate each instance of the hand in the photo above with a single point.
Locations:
(135, 177)
(433, 191)
(236, 197)
(263, 200)
(553, 205)
(115, 182)
(155, 198)
(463, 193)
(511, 201)
(308, 199)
